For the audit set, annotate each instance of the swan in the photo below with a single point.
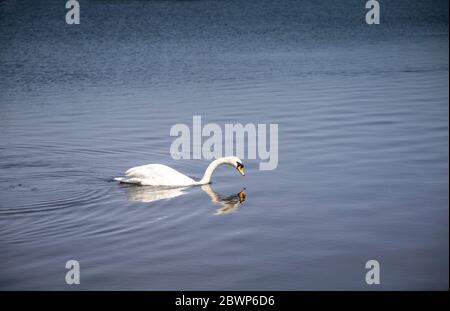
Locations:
(162, 175)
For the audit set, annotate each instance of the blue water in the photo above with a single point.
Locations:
(363, 144)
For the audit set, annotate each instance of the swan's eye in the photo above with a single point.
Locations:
(239, 165)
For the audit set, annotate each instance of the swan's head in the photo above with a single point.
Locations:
(237, 163)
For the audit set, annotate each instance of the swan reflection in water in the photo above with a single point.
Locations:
(149, 194)
(229, 204)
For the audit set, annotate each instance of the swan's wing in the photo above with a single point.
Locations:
(158, 174)
(152, 170)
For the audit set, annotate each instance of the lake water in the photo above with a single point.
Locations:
(363, 144)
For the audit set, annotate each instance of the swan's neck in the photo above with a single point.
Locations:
(209, 171)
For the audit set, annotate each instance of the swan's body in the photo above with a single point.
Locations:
(162, 175)
(156, 175)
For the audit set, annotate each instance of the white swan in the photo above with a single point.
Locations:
(162, 175)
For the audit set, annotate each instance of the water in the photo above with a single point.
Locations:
(363, 144)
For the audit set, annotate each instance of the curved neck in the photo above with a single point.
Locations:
(210, 169)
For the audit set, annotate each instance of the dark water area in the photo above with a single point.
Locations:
(363, 158)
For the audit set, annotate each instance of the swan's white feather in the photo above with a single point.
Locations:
(156, 175)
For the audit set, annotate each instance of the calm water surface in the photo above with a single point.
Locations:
(363, 144)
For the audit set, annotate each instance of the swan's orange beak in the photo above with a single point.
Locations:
(240, 169)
